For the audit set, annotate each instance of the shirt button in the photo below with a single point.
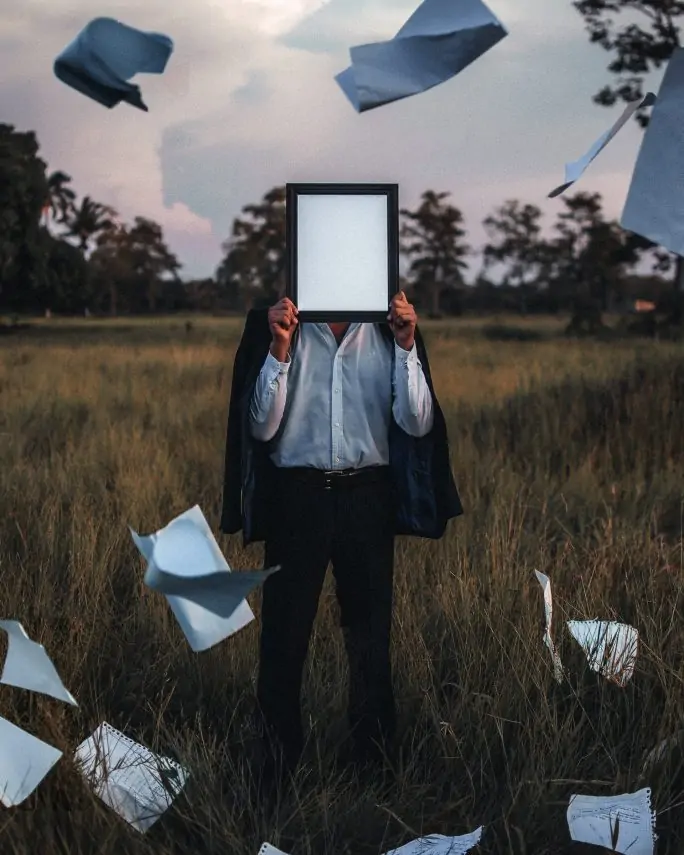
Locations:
(337, 391)
(337, 424)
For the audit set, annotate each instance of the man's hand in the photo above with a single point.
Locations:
(282, 321)
(402, 320)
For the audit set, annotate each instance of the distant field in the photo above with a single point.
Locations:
(569, 456)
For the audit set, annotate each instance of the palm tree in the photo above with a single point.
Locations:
(60, 199)
(90, 219)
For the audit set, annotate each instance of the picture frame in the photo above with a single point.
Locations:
(342, 247)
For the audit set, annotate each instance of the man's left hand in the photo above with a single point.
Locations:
(402, 320)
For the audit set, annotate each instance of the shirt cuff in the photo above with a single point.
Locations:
(276, 367)
(406, 356)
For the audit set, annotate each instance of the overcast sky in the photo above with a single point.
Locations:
(249, 101)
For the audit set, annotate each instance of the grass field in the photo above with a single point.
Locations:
(569, 457)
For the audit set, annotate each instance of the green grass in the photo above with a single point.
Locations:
(570, 459)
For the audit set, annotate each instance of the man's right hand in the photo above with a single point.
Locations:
(282, 321)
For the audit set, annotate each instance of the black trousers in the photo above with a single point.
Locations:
(350, 522)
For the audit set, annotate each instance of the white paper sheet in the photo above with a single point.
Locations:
(183, 564)
(438, 41)
(196, 616)
(655, 203)
(545, 582)
(611, 647)
(267, 849)
(618, 823)
(105, 55)
(133, 781)
(574, 170)
(24, 762)
(439, 844)
(27, 665)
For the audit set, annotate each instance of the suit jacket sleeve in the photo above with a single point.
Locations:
(231, 514)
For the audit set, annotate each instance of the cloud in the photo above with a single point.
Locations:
(336, 26)
(114, 155)
(502, 129)
(275, 17)
(249, 101)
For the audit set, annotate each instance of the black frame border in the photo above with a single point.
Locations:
(391, 191)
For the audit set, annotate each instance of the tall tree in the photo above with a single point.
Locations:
(514, 232)
(88, 220)
(60, 199)
(641, 36)
(254, 264)
(68, 284)
(134, 264)
(152, 262)
(110, 266)
(592, 253)
(642, 43)
(433, 241)
(23, 190)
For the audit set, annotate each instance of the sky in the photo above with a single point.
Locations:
(249, 101)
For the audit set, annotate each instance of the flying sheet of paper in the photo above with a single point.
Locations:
(438, 41)
(267, 849)
(27, 665)
(184, 565)
(574, 170)
(133, 781)
(655, 203)
(199, 622)
(618, 823)
(105, 55)
(610, 647)
(24, 762)
(439, 844)
(545, 582)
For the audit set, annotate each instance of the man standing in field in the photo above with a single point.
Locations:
(336, 443)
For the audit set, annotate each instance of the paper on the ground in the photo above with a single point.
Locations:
(655, 203)
(438, 41)
(439, 844)
(27, 665)
(24, 762)
(545, 582)
(105, 55)
(618, 823)
(574, 170)
(136, 783)
(610, 647)
(196, 615)
(267, 849)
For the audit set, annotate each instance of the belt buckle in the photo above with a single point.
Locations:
(327, 482)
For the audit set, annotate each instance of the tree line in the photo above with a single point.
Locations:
(70, 255)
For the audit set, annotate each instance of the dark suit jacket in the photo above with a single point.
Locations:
(422, 473)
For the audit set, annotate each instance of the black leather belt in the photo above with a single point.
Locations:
(337, 479)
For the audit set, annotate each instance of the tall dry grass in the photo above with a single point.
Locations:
(569, 459)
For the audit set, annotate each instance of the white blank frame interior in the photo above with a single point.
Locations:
(343, 251)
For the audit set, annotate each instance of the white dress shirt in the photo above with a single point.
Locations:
(332, 405)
